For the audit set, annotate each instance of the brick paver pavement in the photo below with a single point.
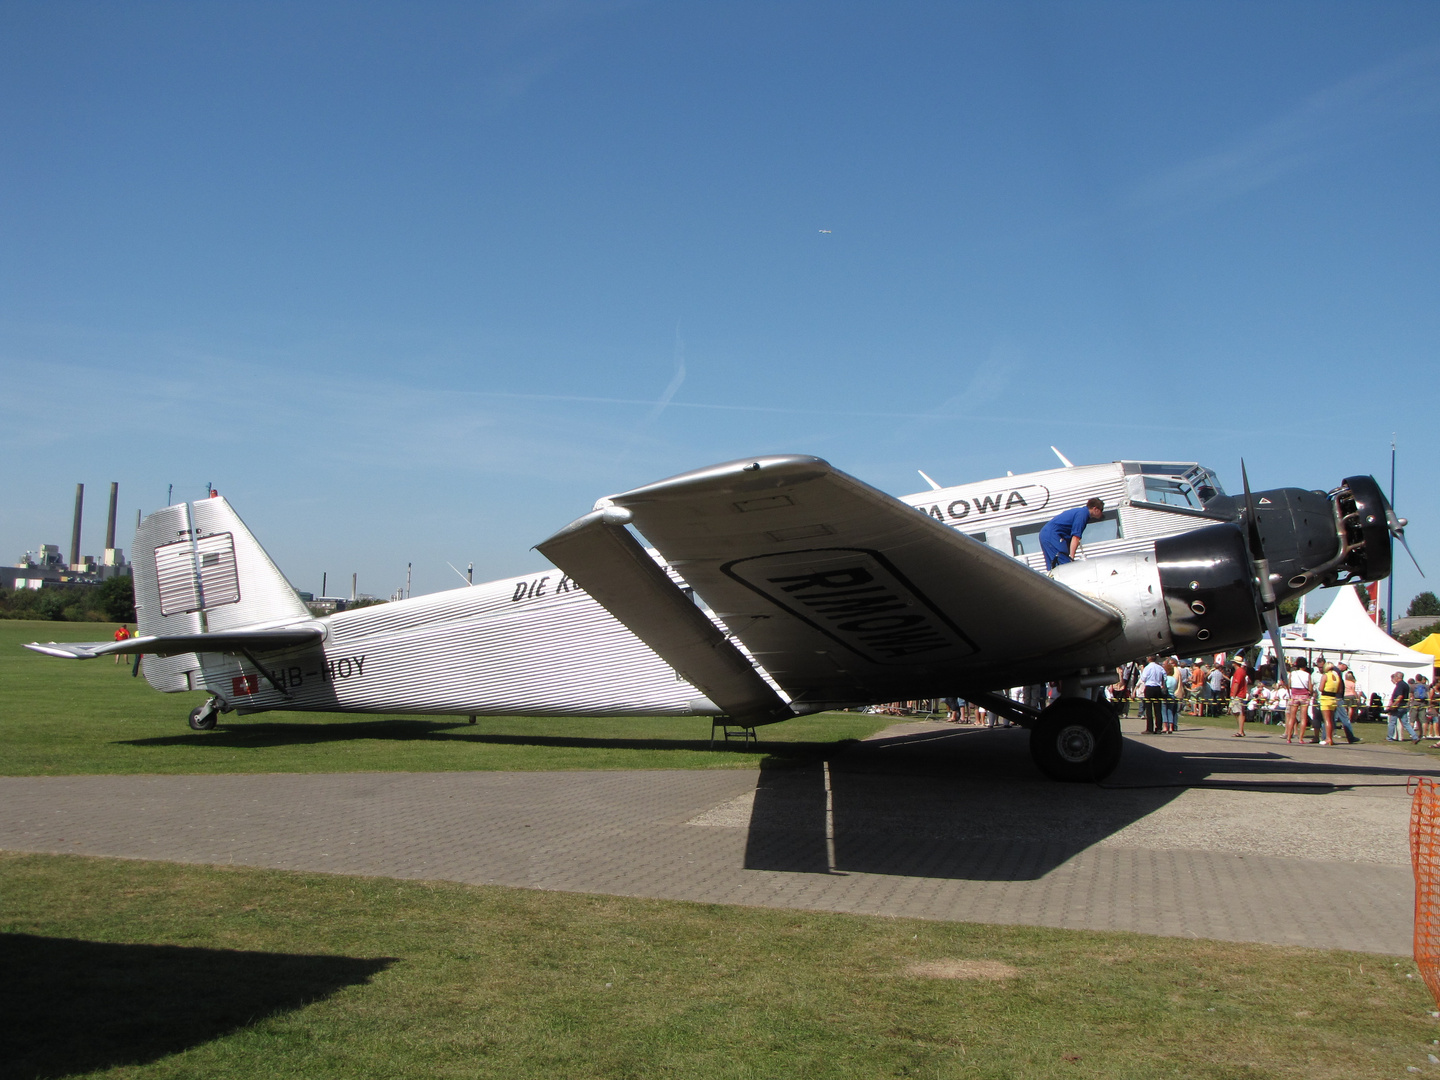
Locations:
(925, 820)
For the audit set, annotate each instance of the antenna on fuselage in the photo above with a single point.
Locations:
(1063, 459)
(933, 486)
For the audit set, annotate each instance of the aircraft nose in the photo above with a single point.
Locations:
(1366, 528)
(1312, 539)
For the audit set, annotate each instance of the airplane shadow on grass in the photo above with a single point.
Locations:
(970, 805)
(70, 1006)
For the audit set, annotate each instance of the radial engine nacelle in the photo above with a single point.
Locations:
(1202, 591)
(1313, 539)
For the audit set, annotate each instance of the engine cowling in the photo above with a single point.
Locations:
(1313, 539)
(1212, 601)
(1205, 581)
(1364, 517)
(1192, 594)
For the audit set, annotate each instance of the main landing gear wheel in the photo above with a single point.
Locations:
(1077, 740)
(204, 717)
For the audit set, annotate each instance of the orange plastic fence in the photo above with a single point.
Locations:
(1425, 859)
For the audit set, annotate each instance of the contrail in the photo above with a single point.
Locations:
(675, 383)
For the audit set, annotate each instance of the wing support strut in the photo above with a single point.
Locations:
(1004, 706)
(609, 563)
(265, 674)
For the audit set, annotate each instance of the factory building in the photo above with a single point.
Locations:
(37, 569)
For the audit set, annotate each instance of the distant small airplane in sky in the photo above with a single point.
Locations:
(825, 230)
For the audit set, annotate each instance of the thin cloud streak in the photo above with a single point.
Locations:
(385, 428)
(1327, 124)
(675, 383)
(994, 418)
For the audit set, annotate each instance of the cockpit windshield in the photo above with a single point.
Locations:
(1205, 483)
(1180, 484)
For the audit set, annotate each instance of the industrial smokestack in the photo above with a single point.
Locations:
(75, 529)
(110, 521)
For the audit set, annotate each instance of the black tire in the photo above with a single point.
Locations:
(204, 717)
(1077, 741)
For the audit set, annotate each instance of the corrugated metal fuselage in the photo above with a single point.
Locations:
(536, 645)
(1006, 513)
(539, 644)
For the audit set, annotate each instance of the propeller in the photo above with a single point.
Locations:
(1397, 530)
(1268, 606)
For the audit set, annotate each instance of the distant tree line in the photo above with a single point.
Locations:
(113, 600)
(1424, 604)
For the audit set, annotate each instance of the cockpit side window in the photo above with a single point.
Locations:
(1162, 489)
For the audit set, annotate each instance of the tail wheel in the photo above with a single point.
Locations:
(1077, 740)
(204, 717)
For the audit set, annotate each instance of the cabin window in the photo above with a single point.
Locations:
(977, 536)
(1026, 540)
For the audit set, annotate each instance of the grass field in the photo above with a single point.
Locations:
(135, 969)
(159, 970)
(90, 716)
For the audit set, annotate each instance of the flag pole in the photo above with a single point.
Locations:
(1390, 585)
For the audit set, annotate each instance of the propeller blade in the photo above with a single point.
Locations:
(1397, 530)
(1252, 525)
(1261, 566)
(1400, 535)
(1257, 546)
(1272, 624)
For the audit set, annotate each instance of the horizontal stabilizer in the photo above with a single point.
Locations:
(599, 552)
(222, 641)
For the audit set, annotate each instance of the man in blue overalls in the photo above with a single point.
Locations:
(1060, 538)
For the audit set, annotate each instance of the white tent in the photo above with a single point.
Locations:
(1346, 633)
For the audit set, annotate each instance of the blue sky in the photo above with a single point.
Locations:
(419, 282)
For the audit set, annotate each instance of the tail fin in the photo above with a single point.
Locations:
(199, 569)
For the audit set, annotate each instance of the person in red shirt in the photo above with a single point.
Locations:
(1239, 687)
(123, 634)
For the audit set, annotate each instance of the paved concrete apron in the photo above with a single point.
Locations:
(923, 820)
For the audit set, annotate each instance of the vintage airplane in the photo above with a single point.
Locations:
(776, 586)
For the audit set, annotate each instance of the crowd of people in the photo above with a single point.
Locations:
(1313, 702)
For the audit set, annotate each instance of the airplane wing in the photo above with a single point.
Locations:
(223, 641)
(840, 592)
